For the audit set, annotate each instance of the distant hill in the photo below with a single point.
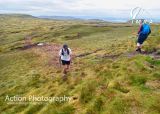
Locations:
(16, 16)
(92, 19)
(98, 20)
(59, 17)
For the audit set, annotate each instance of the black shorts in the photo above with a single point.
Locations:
(142, 38)
(65, 62)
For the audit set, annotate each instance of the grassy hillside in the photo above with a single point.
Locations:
(106, 76)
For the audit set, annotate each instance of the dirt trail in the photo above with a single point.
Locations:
(153, 54)
(47, 51)
(88, 53)
(51, 50)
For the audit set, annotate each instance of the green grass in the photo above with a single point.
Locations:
(97, 85)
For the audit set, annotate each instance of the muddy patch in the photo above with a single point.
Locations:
(88, 53)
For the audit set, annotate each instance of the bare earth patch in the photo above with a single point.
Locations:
(48, 52)
(153, 84)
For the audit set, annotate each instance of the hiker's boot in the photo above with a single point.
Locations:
(65, 72)
(139, 50)
(64, 77)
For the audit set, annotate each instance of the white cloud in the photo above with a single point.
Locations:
(76, 7)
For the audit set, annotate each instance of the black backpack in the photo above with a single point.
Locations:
(63, 51)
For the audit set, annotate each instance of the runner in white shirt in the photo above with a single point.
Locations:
(65, 58)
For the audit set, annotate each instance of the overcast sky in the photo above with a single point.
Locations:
(95, 8)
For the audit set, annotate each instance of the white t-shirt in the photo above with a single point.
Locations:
(65, 57)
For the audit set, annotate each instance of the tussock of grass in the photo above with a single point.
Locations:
(87, 92)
